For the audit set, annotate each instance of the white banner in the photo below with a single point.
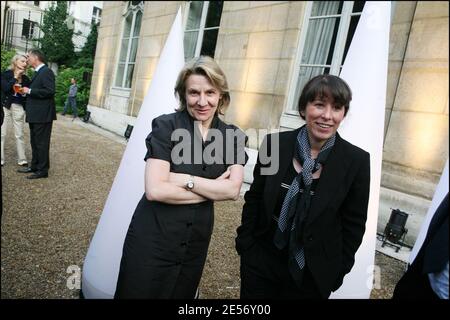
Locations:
(102, 262)
(365, 70)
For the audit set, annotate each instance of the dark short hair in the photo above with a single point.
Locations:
(39, 54)
(325, 85)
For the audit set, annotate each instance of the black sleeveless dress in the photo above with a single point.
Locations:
(166, 245)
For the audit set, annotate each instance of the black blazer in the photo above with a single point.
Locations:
(41, 101)
(336, 222)
(8, 80)
(433, 254)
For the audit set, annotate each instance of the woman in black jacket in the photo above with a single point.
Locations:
(13, 104)
(302, 225)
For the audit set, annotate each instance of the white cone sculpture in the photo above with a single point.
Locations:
(101, 265)
(365, 70)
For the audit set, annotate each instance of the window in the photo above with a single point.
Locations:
(28, 28)
(202, 28)
(129, 44)
(96, 14)
(329, 32)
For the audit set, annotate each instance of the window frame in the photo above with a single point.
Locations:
(30, 32)
(202, 27)
(133, 10)
(338, 52)
(96, 18)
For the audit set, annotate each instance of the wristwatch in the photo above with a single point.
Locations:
(190, 183)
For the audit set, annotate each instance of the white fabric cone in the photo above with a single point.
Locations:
(101, 265)
(365, 70)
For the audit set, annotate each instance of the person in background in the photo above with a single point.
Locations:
(40, 113)
(302, 226)
(427, 276)
(167, 241)
(72, 99)
(13, 105)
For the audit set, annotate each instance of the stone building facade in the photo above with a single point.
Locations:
(267, 50)
(21, 19)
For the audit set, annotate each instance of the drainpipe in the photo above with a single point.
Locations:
(4, 22)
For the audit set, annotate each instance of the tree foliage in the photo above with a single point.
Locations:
(85, 58)
(57, 40)
(91, 43)
(6, 56)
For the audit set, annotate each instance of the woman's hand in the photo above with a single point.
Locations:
(18, 73)
(159, 185)
(224, 175)
(180, 179)
(225, 187)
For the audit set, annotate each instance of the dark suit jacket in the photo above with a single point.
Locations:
(336, 222)
(8, 80)
(41, 101)
(431, 258)
(433, 254)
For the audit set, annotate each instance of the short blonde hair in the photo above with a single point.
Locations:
(205, 66)
(14, 59)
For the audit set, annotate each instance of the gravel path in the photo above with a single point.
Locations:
(47, 224)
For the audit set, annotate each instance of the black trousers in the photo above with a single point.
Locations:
(40, 146)
(265, 275)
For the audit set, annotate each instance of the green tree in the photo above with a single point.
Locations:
(6, 56)
(57, 40)
(85, 58)
(91, 42)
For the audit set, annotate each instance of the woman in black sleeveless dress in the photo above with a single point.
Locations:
(193, 159)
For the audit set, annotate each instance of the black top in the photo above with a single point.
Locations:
(224, 145)
(8, 97)
(291, 173)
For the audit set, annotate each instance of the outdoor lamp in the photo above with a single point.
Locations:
(86, 117)
(128, 131)
(395, 228)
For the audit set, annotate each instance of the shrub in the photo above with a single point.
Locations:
(62, 89)
(6, 56)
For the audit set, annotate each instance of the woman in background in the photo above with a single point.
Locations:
(13, 105)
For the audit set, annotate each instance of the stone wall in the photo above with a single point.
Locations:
(256, 48)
